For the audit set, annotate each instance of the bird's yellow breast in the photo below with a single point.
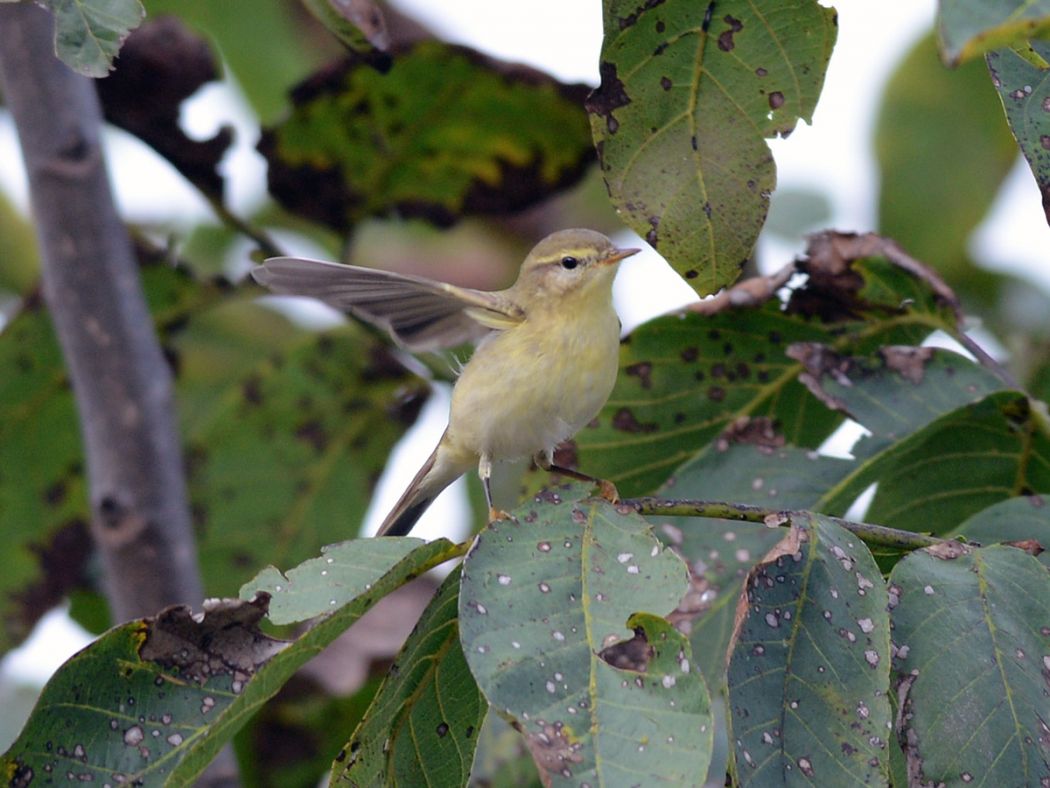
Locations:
(530, 387)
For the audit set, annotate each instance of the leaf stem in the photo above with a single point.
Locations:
(880, 535)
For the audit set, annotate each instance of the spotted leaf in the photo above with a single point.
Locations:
(689, 93)
(445, 133)
(687, 380)
(423, 724)
(1024, 88)
(915, 402)
(809, 669)
(153, 701)
(1021, 519)
(971, 635)
(546, 607)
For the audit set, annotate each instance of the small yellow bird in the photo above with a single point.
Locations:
(545, 364)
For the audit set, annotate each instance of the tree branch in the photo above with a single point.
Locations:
(140, 515)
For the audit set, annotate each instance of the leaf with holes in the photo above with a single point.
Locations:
(689, 93)
(971, 632)
(445, 133)
(1025, 92)
(155, 700)
(423, 724)
(545, 608)
(88, 33)
(809, 667)
(719, 553)
(968, 28)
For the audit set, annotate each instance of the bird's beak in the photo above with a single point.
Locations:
(617, 255)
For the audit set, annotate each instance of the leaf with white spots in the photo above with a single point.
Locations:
(155, 700)
(545, 618)
(343, 572)
(690, 91)
(657, 721)
(809, 671)
(720, 553)
(971, 637)
(1024, 88)
(423, 724)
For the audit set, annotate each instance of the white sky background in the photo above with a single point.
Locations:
(564, 37)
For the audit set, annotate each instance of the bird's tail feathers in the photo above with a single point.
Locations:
(437, 473)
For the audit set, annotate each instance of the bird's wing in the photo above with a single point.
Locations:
(419, 313)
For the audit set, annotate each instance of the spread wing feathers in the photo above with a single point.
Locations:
(420, 314)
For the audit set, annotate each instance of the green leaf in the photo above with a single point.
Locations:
(546, 605)
(502, 758)
(43, 498)
(1012, 520)
(971, 631)
(445, 133)
(689, 93)
(88, 33)
(968, 28)
(809, 671)
(21, 268)
(155, 700)
(916, 402)
(940, 141)
(293, 448)
(932, 482)
(685, 380)
(343, 571)
(357, 23)
(423, 724)
(1025, 92)
(720, 553)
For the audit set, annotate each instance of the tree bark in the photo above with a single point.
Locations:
(140, 516)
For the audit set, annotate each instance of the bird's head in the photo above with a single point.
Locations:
(567, 262)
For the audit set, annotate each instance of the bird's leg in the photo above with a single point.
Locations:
(485, 472)
(606, 489)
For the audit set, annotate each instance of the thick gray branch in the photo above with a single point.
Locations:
(123, 387)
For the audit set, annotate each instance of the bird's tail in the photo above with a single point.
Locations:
(437, 473)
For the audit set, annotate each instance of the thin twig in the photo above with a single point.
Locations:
(985, 360)
(871, 534)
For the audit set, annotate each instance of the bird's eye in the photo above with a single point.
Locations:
(569, 262)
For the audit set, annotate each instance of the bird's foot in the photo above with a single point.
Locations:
(608, 491)
(498, 514)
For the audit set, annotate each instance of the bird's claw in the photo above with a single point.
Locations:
(608, 491)
(498, 514)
